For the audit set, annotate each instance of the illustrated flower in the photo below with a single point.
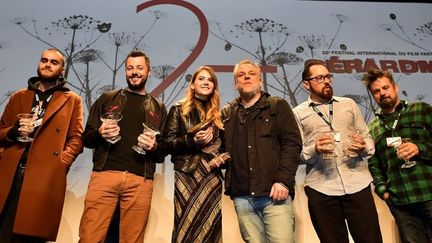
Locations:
(154, 116)
(112, 108)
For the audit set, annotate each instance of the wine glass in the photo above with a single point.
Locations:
(408, 163)
(24, 136)
(112, 118)
(354, 137)
(330, 146)
(154, 132)
(212, 147)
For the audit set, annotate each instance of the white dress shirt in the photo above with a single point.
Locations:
(341, 175)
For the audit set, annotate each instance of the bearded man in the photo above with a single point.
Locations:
(33, 171)
(402, 176)
(336, 144)
(120, 174)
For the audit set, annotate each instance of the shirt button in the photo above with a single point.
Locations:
(249, 146)
(251, 169)
(58, 130)
(252, 193)
(56, 154)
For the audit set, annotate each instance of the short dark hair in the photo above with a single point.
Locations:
(373, 74)
(308, 64)
(138, 53)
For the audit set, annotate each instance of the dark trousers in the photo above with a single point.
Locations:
(330, 214)
(413, 221)
(7, 216)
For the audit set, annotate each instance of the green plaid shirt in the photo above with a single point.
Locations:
(411, 185)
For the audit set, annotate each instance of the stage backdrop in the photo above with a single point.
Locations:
(180, 36)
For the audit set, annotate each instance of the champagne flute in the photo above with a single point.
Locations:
(146, 128)
(25, 136)
(407, 162)
(112, 118)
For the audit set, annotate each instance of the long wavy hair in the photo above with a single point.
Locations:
(211, 109)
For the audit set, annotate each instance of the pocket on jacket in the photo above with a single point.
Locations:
(265, 126)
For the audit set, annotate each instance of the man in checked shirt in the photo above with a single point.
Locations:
(402, 164)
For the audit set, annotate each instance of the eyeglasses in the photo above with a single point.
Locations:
(321, 78)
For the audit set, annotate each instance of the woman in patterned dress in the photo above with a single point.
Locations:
(193, 124)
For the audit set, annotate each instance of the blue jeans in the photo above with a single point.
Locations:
(261, 220)
(413, 221)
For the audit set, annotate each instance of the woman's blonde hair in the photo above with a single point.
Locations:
(211, 109)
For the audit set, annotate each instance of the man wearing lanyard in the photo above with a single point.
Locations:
(402, 164)
(38, 151)
(337, 179)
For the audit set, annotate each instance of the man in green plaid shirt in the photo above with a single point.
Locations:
(402, 164)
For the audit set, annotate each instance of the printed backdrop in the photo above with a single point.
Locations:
(180, 36)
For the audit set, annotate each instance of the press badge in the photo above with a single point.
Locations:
(393, 141)
(337, 137)
(37, 122)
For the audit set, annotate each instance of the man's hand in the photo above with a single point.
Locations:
(109, 130)
(358, 145)
(407, 150)
(278, 192)
(147, 141)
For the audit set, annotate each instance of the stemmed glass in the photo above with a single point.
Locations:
(212, 147)
(408, 163)
(154, 132)
(354, 137)
(24, 136)
(330, 146)
(112, 118)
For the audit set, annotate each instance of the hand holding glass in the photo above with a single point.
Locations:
(355, 138)
(112, 118)
(397, 145)
(28, 119)
(328, 143)
(146, 129)
(212, 148)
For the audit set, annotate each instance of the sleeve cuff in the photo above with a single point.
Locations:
(380, 190)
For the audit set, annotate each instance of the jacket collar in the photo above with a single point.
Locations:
(33, 84)
(310, 102)
(262, 103)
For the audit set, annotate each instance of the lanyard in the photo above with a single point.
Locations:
(40, 107)
(395, 123)
(330, 117)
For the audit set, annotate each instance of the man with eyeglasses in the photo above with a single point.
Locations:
(336, 143)
(263, 139)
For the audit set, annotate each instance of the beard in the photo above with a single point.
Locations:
(386, 103)
(48, 79)
(250, 93)
(136, 87)
(326, 92)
